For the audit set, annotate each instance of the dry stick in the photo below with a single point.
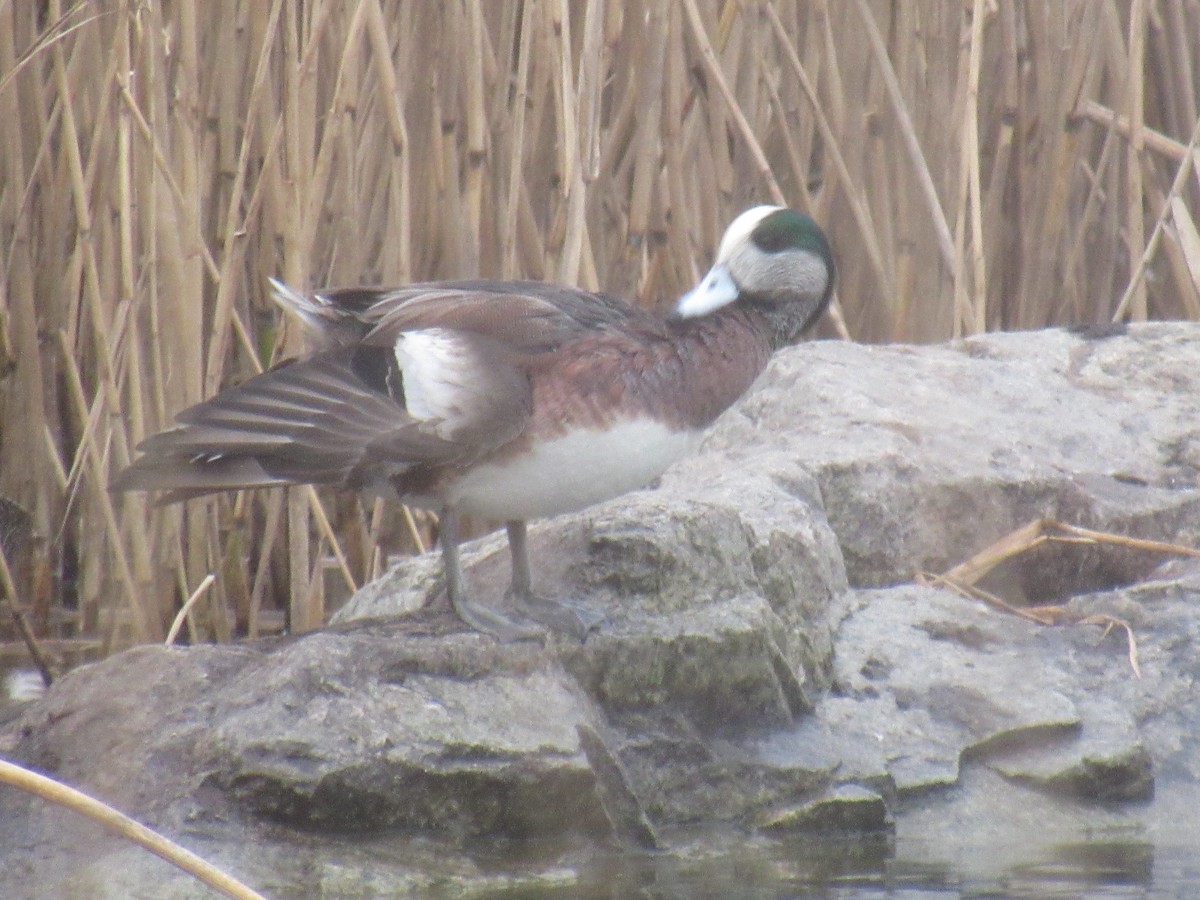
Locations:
(679, 145)
(1120, 540)
(795, 158)
(911, 143)
(963, 577)
(317, 175)
(1041, 615)
(572, 182)
(177, 623)
(375, 564)
(1181, 176)
(1094, 199)
(646, 169)
(61, 481)
(962, 319)
(559, 14)
(130, 829)
(475, 151)
(91, 287)
(1109, 622)
(297, 243)
(270, 533)
(1135, 227)
(46, 39)
(144, 624)
(381, 57)
(233, 231)
(164, 168)
(136, 406)
(591, 87)
(1189, 245)
(134, 510)
(318, 511)
(140, 549)
(23, 629)
(508, 234)
(979, 324)
(1175, 253)
(862, 215)
(709, 55)
(1154, 140)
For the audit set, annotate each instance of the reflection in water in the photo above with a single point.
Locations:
(732, 866)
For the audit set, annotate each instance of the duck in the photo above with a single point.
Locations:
(504, 400)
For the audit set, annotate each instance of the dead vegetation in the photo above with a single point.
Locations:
(966, 577)
(978, 165)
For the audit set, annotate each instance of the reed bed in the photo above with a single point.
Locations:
(978, 165)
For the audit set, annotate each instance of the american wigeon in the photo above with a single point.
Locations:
(504, 400)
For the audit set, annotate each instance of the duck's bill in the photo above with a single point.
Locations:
(715, 290)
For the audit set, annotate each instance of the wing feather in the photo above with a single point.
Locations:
(316, 421)
(427, 375)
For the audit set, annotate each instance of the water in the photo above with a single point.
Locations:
(1013, 856)
(713, 868)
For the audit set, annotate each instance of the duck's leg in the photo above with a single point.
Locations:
(568, 618)
(478, 616)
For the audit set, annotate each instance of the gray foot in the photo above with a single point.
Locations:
(574, 619)
(493, 622)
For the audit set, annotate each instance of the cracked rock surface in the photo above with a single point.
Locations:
(765, 665)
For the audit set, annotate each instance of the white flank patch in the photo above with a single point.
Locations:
(431, 360)
(573, 471)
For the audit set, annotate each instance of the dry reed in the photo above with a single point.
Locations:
(977, 165)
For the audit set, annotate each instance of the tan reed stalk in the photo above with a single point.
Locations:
(1129, 300)
(910, 140)
(128, 828)
(1136, 232)
(709, 56)
(164, 159)
(145, 626)
(970, 301)
(508, 231)
(862, 215)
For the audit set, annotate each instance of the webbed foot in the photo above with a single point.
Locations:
(492, 621)
(574, 619)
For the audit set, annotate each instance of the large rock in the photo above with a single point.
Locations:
(925, 455)
(737, 680)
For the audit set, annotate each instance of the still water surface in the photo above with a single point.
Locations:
(839, 869)
(1125, 863)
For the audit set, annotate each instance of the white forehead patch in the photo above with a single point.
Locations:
(740, 229)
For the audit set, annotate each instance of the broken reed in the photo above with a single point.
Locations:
(978, 166)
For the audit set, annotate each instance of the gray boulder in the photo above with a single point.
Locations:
(764, 667)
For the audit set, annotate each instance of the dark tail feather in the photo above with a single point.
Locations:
(184, 478)
(311, 422)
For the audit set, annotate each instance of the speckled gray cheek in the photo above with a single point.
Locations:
(798, 270)
(785, 271)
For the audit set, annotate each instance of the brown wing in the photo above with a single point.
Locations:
(433, 374)
(339, 417)
(527, 316)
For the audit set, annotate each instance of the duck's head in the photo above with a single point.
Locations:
(774, 259)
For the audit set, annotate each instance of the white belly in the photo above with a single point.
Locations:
(573, 471)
